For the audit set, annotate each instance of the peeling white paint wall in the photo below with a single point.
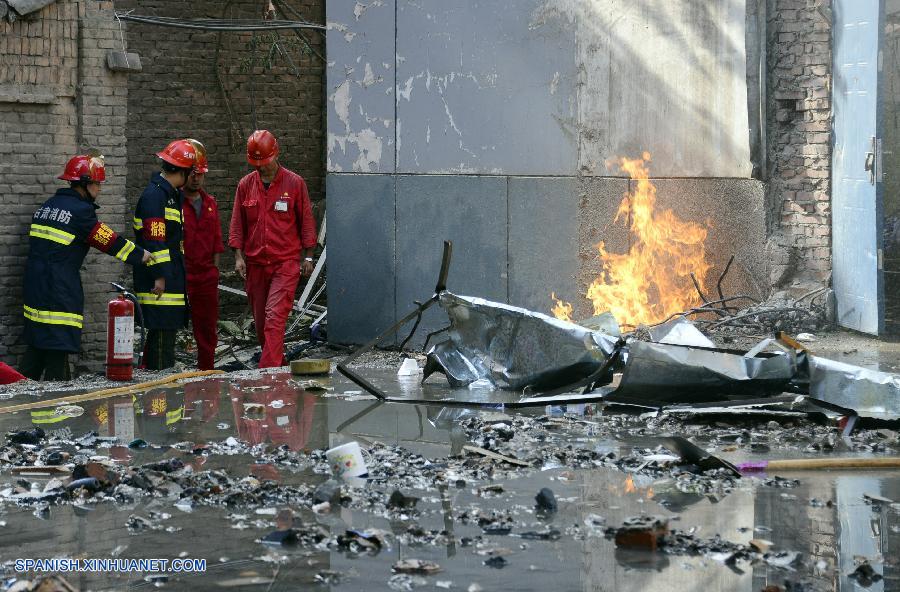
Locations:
(538, 87)
(360, 42)
(664, 76)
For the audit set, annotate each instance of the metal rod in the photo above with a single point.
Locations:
(231, 25)
(343, 366)
(312, 280)
(722, 277)
(445, 267)
(697, 286)
(412, 331)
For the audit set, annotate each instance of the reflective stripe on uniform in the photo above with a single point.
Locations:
(174, 415)
(52, 234)
(173, 215)
(167, 299)
(125, 251)
(138, 223)
(52, 317)
(45, 416)
(160, 257)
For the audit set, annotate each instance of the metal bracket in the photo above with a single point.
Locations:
(343, 367)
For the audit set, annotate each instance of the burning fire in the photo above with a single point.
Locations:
(561, 310)
(652, 280)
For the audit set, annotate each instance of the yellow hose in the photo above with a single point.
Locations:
(111, 392)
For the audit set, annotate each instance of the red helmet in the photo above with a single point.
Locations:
(262, 148)
(202, 165)
(180, 153)
(85, 168)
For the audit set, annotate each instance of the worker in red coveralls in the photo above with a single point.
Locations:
(202, 246)
(273, 235)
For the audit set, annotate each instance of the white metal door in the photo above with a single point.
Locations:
(856, 172)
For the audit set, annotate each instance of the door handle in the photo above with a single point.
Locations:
(870, 162)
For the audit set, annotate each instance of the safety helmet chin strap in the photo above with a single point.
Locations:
(82, 187)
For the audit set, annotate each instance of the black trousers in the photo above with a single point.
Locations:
(50, 364)
(159, 353)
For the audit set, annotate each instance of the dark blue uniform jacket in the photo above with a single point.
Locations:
(62, 231)
(158, 228)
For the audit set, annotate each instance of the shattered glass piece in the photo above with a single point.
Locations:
(416, 566)
(405, 582)
(514, 347)
(69, 411)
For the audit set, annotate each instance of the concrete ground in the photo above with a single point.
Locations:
(235, 474)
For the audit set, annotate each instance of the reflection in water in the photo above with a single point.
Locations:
(270, 410)
(860, 529)
(273, 410)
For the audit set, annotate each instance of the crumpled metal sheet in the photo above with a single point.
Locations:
(680, 331)
(868, 392)
(675, 373)
(514, 347)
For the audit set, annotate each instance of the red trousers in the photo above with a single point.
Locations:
(204, 299)
(271, 290)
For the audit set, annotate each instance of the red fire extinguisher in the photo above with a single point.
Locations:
(120, 339)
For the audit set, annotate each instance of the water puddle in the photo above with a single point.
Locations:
(475, 517)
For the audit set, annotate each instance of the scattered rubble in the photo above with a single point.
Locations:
(483, 488)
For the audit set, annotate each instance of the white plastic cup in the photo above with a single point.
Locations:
(347, 460)
(409, 367)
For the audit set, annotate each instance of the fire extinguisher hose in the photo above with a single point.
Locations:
(110, 392)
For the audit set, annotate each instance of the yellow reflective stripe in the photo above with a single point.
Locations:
(138, 223)
(125, 251)
(174, 415)
(173, 215)
(46, 417)
(51, 317)
(52, 234)
(161, 257)
(166, 299)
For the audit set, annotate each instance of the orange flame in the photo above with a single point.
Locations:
(652, 280)
(561, 310)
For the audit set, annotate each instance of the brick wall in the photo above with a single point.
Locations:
(198, 84)
(799, 141)
(57, 99)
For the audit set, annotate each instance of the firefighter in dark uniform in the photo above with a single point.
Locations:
(160, 287)
(62, 231)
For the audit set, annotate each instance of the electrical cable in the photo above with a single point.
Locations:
(230, 25)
